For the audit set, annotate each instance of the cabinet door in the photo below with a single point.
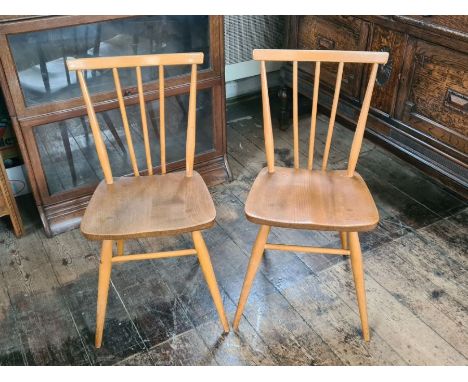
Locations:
(435, 101)
(334, 32)
(37, 53)
(388, 75)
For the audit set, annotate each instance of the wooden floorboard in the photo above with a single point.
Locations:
(302, 309)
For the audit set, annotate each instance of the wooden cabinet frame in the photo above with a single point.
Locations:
(62, 211)
(392, 120)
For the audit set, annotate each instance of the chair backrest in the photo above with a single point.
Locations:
(137, 62)
(317, 56)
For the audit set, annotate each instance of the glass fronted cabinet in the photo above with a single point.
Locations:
(45, 105)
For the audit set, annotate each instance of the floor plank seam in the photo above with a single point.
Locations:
(66, 304)
(314, 273)
(186, 310)
(17, 331)
(279, 291)
(418, 318)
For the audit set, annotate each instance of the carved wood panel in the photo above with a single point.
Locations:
(334, 32)
(437, 100)
(388, 75)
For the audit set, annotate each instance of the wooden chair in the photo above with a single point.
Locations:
(309, 198)
(144, 206)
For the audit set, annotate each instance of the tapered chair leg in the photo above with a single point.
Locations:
(120, 247)
(207, 269)
(358, 274)
(255, 258)
(105, 268)
(344, 240)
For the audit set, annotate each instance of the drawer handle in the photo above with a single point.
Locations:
(456, 100)
(325, 43)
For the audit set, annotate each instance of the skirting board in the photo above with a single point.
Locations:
(244, 77)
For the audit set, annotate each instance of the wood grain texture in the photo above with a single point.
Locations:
(361, 123)
(208, 272)
(133, 61)
(162, 119)
(302, 308)
(8, 203)
(306, 249)
(68, 206)
(331, 123)
(420, 102)
(306, 199)
(166, 205)
(334, 32)
(97, 134)
(267, 126)
(190, 145)
(389, 75)
(105, 268)
(153, 205)
(358, 274)
(302, 55)
(125, 124)
(437, 73)
(313, 122)
(295, 116)
(257, 253)
(144, 123)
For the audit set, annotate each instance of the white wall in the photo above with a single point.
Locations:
(244, 77)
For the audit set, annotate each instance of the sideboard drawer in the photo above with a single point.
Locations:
(437, 99)
(334, 32)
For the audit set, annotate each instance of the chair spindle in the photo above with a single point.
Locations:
(361, 124)
(267, 128)
(144, 124)
(100, 146)
(295, 116)
(190, 148)
(313, 123)
(162, 128)
(123, 113)
(331, 124)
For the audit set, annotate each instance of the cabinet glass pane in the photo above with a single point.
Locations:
(40, 56)
(68, 154)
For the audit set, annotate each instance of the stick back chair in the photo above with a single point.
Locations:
(314, 199)
(146, 206)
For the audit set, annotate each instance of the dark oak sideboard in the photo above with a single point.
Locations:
(420, 101)
(50, 121)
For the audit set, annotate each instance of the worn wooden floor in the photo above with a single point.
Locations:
(302, 309)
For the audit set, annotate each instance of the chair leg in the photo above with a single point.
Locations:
(255, 258)
(358, 274)
(120, 247)
(207, 269)
(105, 268)
(344, 240)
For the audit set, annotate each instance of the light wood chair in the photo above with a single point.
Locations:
(314, 199)
(146, 206)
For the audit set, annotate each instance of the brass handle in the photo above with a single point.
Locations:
(325, 43)
(456, 100)
(409, 107)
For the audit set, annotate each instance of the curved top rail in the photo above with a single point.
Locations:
(134, 61)
(362, 57)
